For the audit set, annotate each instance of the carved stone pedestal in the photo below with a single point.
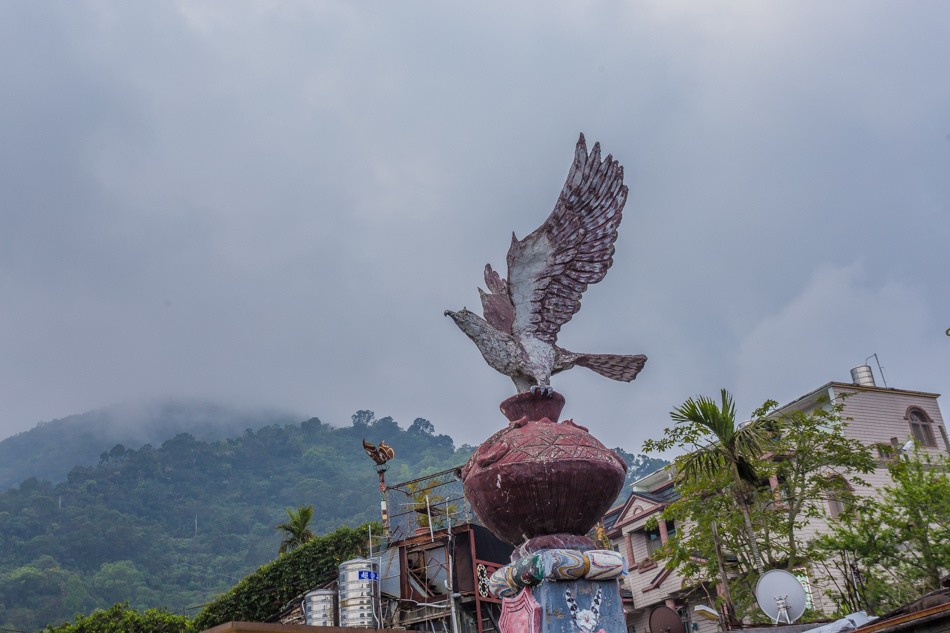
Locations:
(590, 606)
(538, 477)
(542, 485)
(561, 591)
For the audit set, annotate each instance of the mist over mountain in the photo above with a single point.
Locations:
(51, 449)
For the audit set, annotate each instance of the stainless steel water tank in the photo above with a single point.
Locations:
(319, 608)
(359, 592)
(862, 376)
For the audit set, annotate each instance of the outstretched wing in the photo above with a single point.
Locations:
(385, 452)
(370, 449)
(380, 454)
(550, 269)
(496, 304)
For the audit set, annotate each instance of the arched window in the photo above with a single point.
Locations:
(921, 426)
(840, 495)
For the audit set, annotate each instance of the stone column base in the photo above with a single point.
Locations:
(565, 606)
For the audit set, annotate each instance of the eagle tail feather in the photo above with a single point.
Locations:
(614, 366)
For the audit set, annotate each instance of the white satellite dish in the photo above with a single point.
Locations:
(781, 596)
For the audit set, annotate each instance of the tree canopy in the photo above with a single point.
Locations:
(890, 549)
(120, 618)
(760, 482)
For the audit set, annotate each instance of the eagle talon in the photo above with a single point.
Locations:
(534, 390)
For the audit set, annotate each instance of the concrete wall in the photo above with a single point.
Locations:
(879, 415)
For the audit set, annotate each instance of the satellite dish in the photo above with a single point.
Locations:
(665, 620)
(781, 596)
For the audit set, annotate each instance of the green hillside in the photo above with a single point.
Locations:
(126, 528)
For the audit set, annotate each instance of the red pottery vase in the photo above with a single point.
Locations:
(541, 477)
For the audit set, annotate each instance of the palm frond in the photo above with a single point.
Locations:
(704, 461)
(297, 529)
(718, 419)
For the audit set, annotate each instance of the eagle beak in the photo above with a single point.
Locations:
(448, 313)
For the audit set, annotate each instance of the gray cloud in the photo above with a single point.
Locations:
(273, 204)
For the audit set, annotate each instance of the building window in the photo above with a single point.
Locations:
(688, 625)
(653, 541)
(780, 492)
(836, 507)
(922, 427)
(839, 496)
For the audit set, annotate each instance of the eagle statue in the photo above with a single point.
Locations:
(548, 271)
(379, 454)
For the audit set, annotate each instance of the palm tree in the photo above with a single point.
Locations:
(297, 529)
(731, 448)
(425, 501)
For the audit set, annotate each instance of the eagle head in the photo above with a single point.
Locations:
(461, 315)
(468, 321)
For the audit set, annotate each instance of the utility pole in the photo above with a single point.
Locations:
(380, 455)
(384, 511)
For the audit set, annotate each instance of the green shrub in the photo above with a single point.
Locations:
(263, 593)
(119, 618)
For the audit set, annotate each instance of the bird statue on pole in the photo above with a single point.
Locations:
(548, 271)
(379, 454)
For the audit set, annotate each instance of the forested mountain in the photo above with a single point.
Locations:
(50, 449)
(176, 524)
(638, 466)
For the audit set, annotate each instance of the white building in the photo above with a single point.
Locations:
(880, 417)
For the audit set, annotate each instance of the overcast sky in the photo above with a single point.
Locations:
(272, 203)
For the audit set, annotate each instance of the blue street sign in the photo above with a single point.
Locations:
(369, 575)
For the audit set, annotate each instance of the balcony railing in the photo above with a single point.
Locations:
(426, 505)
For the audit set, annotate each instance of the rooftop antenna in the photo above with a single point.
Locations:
(781, 596)
(879, 368)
